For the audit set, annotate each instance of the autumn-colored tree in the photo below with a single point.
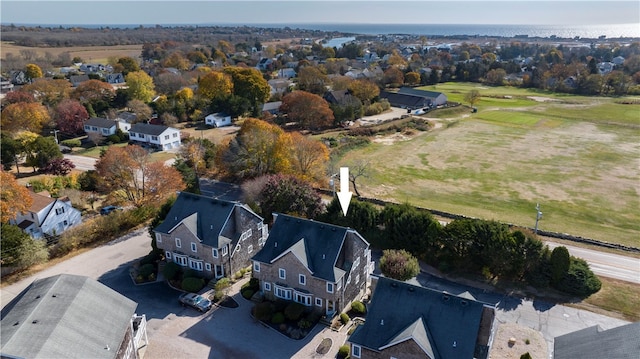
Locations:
(472, 97)
(128, 173)
(215, 84)
(412, 78)
(14, 198)
(197, 57)
(339, 83)
(395, 60)
(19, 96)
(128, 64)
(176, 60)
(259, 148)
(312, 79)
(142, 110)
(59, 167)
(140, 86)
(41, 151)
(23, 116)
(93, 91)
(308, 157)
(49, 92)
(393, 77)
(225, 47)
(311, 111)
(168, 83)
(70, 116)
(32, 71)
(249, 83)
(288, 194)
(364, 89)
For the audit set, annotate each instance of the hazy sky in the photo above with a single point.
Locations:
(308, 11)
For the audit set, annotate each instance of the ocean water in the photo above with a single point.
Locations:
(561, 31)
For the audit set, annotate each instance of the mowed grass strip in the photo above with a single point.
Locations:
(498, 164)
(618, 296)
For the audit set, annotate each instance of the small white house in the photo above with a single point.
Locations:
(218, 119)
(102, 126)
(155, 136)
(47, 215)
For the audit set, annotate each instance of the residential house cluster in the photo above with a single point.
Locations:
(47, 216)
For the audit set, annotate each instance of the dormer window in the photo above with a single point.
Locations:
(224, 251)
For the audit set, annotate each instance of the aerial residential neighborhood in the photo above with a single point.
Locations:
(391, 187)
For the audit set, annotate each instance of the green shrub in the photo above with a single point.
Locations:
(358, 307)
(560, 262)
(151, 277)
(253, 284)
(294, 311)
(192, 284)
(222, 285)
(146, 269)
(579, 279)
(343, 352)
(263, 311)
(344, 318)
(171, 270)
(247, 293)
(304, 324)
(190, 273)
(139, 278)
(74, 142)
(277, 318)
(113, 138)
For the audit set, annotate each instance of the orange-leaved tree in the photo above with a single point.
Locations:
(14, 198)
(24, 116)
(309, 110)
(129, 174)
(308, 157)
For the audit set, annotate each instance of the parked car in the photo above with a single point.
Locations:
(108, 209)
(195, 301)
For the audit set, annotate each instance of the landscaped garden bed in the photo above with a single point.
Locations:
(289, 318)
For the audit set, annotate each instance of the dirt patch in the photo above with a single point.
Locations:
(87, 53)
(511, 342)
(541, 99)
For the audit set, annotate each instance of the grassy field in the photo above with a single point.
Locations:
(90, 54)
(618, 297)
(579, 157)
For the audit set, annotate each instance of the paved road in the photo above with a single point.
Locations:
(606, 264)
(83, 163)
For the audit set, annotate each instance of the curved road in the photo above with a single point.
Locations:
(604, 264)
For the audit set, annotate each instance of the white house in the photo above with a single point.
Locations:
(102, 126)
(47, 215)
(125, 120)
(156, 136)
(218, 119)
(286, 73)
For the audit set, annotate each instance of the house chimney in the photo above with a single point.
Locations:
(324, 256)
(381, 321)
(276, 245)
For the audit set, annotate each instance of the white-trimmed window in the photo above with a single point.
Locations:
(302, 279)
(357, 278)
(154, 138)
(356, 263)
(178, 243)
(303, 298)
(355, 351)
(167, 254)
(256, 267)
(283, 292)
(267, 286)
(175, 135)
(180, 259)
(318, 302)
(195, 264)
(207, 267)
(238, 247)
(214, 252)
(329, 287)
(166, 137)
(282, 273)
(224, 250)
(246, 234)
(158, 238)
(250, 248)
(194, 248)
(59, 210)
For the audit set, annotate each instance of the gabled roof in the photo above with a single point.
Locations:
(40, 202)
(272, 106)
(127, 116)
(443, 325)
(417, 92)
(404, 99)
(65, 316)
(100, 122)
(621, 343)
(148, 129)
(205, 217)
(317, 243)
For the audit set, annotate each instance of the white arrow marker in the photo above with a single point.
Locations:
(344, 196)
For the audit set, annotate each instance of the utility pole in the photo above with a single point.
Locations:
(55, 134)
(332, 183)
(538, 216)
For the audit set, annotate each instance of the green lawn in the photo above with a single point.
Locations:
(577, 157)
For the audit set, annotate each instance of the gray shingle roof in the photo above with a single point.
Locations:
(148, 129)
(65, 316)
(100, 122)
(406, 100)
(417, 92)
(621, 343)
(205, 217)
(317, 244)
(444, 325)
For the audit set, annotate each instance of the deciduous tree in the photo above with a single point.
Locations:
(140, 86)
(59, 167)
(177, 60)
(412, 78)
(312, 79)
(129, 172)
(32, 71)
(364, 89)
(249, 83)
(24, 116)
(308, 157)
(128, 64)
(393, 77)
(18, 96)
(71, 116)
(142, 110)
(399, 264)
(288, 194)
(215, 84)
(42, 151)
(94, 91)
(20, 250)
(49, 92)
(472, 97)
(309, 110)
(14, 198)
